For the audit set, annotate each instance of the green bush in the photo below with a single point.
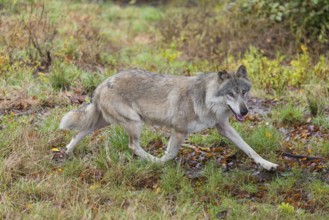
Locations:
(270, 74)
(307, 18)
(230, 28)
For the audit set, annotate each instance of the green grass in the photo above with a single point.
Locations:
(264, 139)
(210, 178)
(289, 114)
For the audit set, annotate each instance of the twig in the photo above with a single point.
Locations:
(189, 146)
(198, 149)
(41, 34)
(301, 156)
(5, 99)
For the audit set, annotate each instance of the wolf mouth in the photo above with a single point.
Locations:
(237, 116)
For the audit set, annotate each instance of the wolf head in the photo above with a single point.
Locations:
(234, 90)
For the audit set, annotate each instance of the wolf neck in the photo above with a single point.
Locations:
(204, 94)
(214, 102)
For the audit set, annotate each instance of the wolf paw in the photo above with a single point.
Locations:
(267, 165)
(68, 153)
(58, 156)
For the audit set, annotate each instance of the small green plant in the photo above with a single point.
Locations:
(91, 80)
(264, 139)
(118, 138)
(73, 168)
(323, 148)
(212, 138)
(215, 179)
(317, 96)
(286, 208)
(322, 121)
(319, 192)
(288, 114)
(171, 179)
(63, 76)
(250, 188)
(315, 105)
(150, 14)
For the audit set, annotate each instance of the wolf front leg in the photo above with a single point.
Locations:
(228, 131)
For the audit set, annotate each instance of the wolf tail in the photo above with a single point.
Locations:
(81, 119)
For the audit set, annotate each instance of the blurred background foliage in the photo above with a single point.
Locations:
(284, 43)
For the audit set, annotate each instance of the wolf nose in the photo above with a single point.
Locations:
(244, 112)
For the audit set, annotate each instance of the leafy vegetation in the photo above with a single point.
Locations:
(314, 14)
(54, 53)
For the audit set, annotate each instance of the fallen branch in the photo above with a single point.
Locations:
(301, 156)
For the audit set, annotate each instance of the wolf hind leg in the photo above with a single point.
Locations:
(134, 128)
(83, 133)
(175, 141)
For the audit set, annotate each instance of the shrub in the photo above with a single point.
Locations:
(307, 20)
(270, 74)
(223, 29)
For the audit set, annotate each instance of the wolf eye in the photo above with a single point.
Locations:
(230, 94)
(244, 92)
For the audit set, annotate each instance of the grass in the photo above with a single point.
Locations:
(210, 178)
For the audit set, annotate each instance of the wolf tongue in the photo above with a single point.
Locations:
(239, 117)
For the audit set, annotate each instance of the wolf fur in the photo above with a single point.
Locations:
(182, 104)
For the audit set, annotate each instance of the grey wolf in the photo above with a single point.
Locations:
(182, 104)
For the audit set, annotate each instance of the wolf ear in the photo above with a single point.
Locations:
(223, 75)
(241, 72)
